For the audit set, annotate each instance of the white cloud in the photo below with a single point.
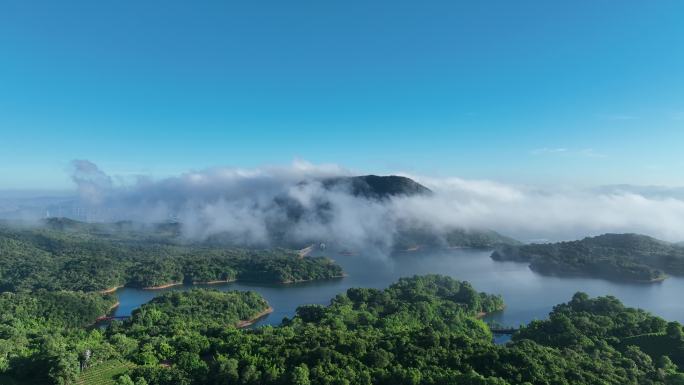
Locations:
(258, 206)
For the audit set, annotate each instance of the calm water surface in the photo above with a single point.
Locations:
(528, 296)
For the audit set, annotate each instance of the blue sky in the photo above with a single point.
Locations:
(580, 93)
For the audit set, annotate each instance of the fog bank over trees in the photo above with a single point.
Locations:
(298, 203)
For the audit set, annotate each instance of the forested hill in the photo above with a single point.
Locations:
(416, 238)
(377, 187)
(91, 258)
(630, 257)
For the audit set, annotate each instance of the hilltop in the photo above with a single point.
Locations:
(377, 187)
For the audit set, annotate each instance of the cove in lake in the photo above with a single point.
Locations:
(527, 295)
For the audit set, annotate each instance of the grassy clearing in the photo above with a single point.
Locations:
(105, 373)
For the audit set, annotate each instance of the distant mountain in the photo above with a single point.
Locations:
(66, 224)
(320, 210)
(166, 232)
(415, 238)
(627, 257)
(481, 239)
(377, 187)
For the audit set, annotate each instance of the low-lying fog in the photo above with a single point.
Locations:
(257, 206)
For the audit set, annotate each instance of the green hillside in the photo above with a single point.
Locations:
(628, 257)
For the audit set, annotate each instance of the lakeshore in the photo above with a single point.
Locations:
(221, 282)
(110, 290)
(164, 286)
(217, 282)
(519, 286)
(245, 323)
(293, 281)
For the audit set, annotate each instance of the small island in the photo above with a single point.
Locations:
(618, 257)
(199, 309)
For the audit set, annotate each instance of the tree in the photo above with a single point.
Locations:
(674, 330)
(300, 375)
(675, 379)
(124, 379)
(227, 369)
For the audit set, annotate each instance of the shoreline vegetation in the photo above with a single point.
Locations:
(111, 290)
(409, 240)
(106, 314)
(630, 258)
(76, 256)
(216, 282)
(249, 322)
(568, 274)
(219, 282)
(417, 248)
(295, 281)
(483, 314)
(162, 286)
(111, 308)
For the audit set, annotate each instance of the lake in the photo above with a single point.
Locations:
(527, 295)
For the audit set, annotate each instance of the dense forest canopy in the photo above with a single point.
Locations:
(628, 257)
(420, 330)
(48, 338)
(69, 255)
(423, 330)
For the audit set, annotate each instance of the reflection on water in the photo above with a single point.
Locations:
(528, 296)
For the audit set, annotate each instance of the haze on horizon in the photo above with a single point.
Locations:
(294, 206)
(537, 120)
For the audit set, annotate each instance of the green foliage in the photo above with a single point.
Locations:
(420, 330)
(106, 373)
(604, 324)
(480, 239)
(657, 346)
(462, 238)
(69, 255)
(628, 257)
(674, 331)
(41, 335)
(197, 309)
